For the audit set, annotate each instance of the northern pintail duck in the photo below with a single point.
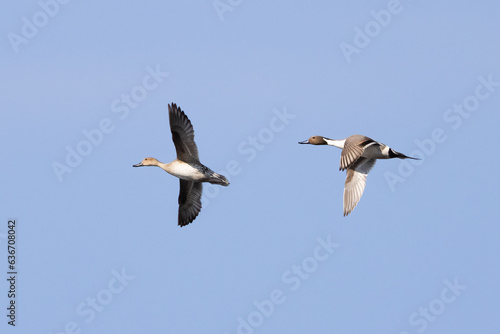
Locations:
(186, 167)
(359, 154)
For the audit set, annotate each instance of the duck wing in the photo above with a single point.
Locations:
(189, 201)
(182, 134)
(355, 183)
(354, 147)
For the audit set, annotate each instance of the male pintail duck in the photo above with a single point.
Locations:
(359, 154)
(186, 167)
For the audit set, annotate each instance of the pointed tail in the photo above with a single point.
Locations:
(218, 179)
(394, 154)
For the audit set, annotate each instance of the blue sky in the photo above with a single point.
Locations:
(85, 88)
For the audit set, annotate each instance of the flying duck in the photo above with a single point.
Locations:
(187, 167)
(359, 154)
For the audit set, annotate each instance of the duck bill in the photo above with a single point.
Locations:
(138, 165)
(304, 142)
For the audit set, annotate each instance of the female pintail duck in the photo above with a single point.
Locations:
(186, 167)
(359, 154)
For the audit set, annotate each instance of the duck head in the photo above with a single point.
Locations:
(315, 140)
(147, 162)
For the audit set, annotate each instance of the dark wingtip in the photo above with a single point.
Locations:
(171, 107)
(185, 222)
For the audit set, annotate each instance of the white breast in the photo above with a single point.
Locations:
(184, 171)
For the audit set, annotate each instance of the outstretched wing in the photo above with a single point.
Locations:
(354, 147)
(182, 134)
(189, 201)
(355, 183)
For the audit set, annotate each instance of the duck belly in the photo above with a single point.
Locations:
(185, 171)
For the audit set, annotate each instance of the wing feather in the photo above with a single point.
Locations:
(355, 183)
(189, 201)
(354, 147)
(182, 134)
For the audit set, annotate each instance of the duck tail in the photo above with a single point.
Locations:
(218, 179)
(394, 154)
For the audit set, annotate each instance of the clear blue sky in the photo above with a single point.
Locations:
(85, 88)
